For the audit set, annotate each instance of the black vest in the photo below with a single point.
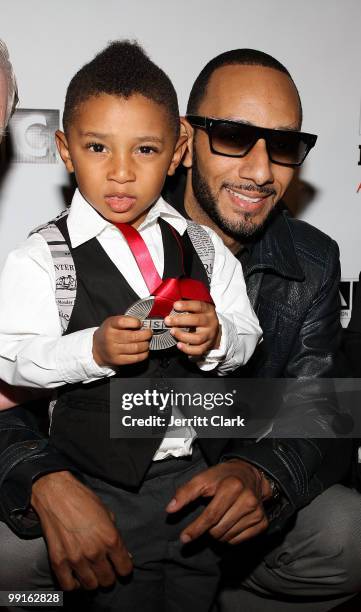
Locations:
(80, 421)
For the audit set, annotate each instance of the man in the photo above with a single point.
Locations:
(292, 275)
(234, 184)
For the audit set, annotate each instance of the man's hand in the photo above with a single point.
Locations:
(120, 341)
(235, 512)
(85, 548)
(200, 316)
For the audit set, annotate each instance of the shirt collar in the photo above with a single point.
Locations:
(85, 223)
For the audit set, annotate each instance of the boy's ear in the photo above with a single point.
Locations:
(63, 148)
(187, 129)
(179, 151)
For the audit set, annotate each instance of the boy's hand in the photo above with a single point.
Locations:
(120, 341)
(203, 318)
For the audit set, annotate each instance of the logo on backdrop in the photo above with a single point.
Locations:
(32, 136)
(347, 293)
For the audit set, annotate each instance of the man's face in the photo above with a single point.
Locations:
(121, 151)
(3, 102)
(238, 194)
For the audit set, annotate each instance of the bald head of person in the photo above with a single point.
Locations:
(8, 89)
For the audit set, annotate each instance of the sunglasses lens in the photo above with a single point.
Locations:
(287, 148)
(231, 139)
(237, 139)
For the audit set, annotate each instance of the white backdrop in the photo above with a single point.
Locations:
(318, 40)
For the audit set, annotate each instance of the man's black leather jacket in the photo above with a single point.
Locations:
(292, 275)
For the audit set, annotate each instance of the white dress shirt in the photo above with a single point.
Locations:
(32, 350)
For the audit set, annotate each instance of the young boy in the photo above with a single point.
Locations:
(121, 138)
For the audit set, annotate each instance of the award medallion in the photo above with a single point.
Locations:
(162, 338)
(152, 310)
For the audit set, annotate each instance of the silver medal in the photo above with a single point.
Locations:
(162, 338)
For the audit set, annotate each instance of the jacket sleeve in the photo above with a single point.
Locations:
(25, 455)
(306, 466)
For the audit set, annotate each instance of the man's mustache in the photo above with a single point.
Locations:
(249, 187)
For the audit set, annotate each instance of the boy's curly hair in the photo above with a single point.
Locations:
(121, 69)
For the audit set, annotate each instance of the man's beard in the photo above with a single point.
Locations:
(244, 230)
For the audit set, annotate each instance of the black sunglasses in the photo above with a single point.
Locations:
(236, 139)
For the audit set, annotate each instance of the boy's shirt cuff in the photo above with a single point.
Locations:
(74, 358)
(214, 357)
(233, 351)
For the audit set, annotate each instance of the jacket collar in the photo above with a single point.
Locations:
(275, 249)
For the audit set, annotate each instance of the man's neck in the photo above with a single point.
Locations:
(197, 214)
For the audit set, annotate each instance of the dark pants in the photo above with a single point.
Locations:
(167, 576)
(312, 566)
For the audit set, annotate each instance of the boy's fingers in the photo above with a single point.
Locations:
(125, 322)
(130, 359)
(127, 337)
(132, 348)
(193, 350)
(194, 338)
(192, 306)
(186, 320)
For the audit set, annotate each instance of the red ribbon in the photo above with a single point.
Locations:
(173, 289)
(141, 255)
(165, 292)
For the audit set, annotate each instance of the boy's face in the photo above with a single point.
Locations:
(121, 151)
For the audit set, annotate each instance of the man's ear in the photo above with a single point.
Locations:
(63, 148)
(187, 129)
(179, 151)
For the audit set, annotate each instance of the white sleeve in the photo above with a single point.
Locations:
(32, 350)
(240, 327)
